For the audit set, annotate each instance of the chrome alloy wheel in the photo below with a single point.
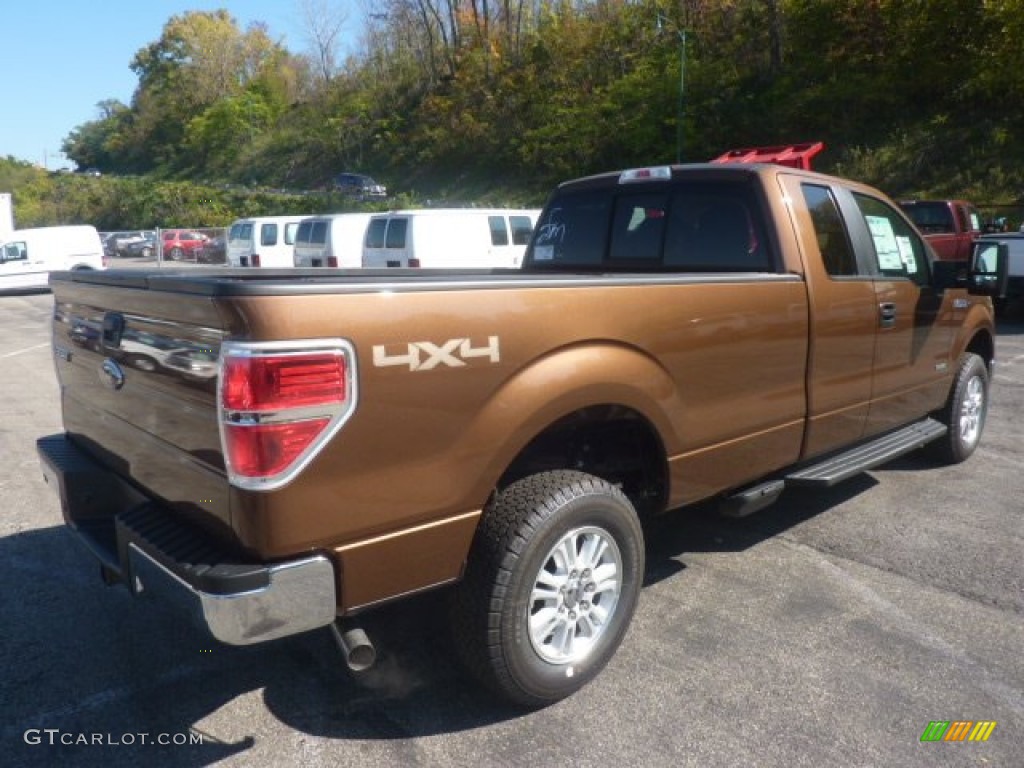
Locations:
(972, 411)
(574, 595)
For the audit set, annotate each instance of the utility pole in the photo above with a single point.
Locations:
(662, 21)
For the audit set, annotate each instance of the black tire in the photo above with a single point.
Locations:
(146, 252)
(964, 412)
(177, 254)
(514, 558)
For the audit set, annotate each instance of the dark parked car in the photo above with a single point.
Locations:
(359, 186)
(129, 243)
(144, 247)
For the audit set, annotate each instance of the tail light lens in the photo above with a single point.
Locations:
(256, 260)
(332, 261)
(279, 404)
(414, 263)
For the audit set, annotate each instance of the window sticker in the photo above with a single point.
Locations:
(907, 254)
(889, 258)
(544, 252)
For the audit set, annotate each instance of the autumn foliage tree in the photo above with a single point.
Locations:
(471, 95)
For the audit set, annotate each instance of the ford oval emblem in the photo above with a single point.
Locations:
(111, 374)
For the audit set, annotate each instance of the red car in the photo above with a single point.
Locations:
(184, 244)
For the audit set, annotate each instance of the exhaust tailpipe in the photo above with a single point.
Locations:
(355, 646)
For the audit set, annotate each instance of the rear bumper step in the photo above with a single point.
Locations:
(239, 601)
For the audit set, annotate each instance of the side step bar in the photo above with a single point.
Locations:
(868, 455)
(836, 468)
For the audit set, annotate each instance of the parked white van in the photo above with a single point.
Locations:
(449, 237)
(331, 240)
(262, 241)
(28, 256)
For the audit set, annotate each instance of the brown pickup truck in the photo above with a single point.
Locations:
(311, 444)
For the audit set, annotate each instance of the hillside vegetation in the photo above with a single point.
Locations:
(497, 100)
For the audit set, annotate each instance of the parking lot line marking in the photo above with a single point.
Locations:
(22, 351)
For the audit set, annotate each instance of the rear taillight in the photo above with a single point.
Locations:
(414, 263)
(256, 260)
(279, 404)
(332, 261)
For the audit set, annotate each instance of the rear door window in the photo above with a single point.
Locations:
(522, 228)
(375, 233)
(318, 235)
(304, 232)
(499, 230)
(833, 239)
(241, 233)
(395, 237)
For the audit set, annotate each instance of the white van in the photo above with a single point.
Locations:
(332, 240)
(449, 237)
(262, 241)
(28, 256)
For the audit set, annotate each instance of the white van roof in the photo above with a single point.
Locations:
(458, 211)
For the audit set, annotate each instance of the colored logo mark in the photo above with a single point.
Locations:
(958, 730)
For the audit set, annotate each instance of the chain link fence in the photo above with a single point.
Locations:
(171, 247)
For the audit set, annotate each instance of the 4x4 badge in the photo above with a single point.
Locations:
(426, 356)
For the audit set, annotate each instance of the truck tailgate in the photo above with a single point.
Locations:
(138, 374)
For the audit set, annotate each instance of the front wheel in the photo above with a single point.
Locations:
(551, 586)
(964, 412)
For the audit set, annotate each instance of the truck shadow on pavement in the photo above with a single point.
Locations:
(700, 528)
(95, 668)
(88, 660)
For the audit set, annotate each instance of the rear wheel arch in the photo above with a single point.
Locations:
(583, 390)
(614, 442)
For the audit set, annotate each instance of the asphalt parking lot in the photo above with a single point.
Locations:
(829, 630)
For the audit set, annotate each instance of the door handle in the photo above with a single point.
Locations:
(886, 314)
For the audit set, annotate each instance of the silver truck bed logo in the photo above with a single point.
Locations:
(426, 356)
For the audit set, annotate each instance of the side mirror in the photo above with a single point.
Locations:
(988, 270)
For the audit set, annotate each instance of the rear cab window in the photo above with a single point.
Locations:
(688, 225)
(932, 218)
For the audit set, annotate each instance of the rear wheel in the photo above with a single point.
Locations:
(551, 586)
(964, 412)
(177, 253)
